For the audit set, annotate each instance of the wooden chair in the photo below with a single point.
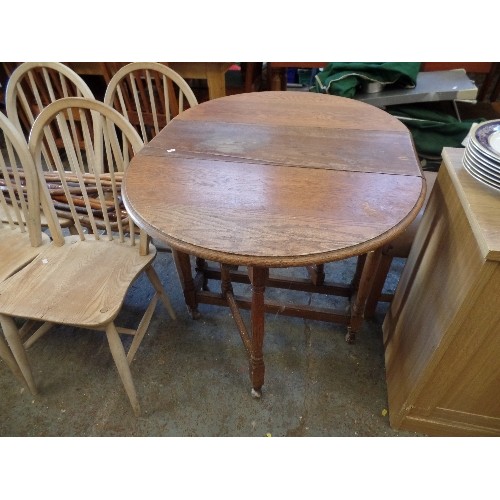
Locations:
(82, 280)
(149, 95)
(34, 85)
(21, 238)
(399, 247)
(30, 88)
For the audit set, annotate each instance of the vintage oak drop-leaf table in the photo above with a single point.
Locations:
(270, 180)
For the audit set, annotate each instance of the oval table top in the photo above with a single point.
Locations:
(276, 179)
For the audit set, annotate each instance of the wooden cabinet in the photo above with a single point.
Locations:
(442, 330)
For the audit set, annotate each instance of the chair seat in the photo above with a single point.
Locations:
(80, 283)
(16, 250)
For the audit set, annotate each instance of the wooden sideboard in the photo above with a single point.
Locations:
(442, 330)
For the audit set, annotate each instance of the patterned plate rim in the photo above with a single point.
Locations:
(482, 134)
(482, 165)
(477, 176)
(471, 145)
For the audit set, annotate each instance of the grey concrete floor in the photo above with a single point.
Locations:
(192, 376)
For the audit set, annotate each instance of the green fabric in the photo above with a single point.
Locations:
(345, 78)
(432, 130)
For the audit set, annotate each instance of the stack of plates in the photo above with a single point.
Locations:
(482, 153)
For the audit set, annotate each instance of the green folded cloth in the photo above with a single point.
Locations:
(345, 78)
(432, 130)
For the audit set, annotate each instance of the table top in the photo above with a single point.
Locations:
(276, 179)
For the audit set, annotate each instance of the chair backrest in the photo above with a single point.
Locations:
(88, 192)
(19, 194)
(34, 85)
(149, 95)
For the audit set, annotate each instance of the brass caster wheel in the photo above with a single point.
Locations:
(256, 394)
(350, 338)
(195, 314)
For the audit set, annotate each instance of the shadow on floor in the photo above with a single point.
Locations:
(192, 376)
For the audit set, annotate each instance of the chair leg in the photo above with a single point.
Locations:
(16, 346)
(10, 361)
(120, 358)
(155, 281)
(142, 328)
(378, 285)
(42, 330)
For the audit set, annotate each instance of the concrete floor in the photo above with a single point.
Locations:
(192, 376)
(192, 380)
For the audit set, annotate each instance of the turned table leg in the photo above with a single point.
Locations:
(317, 274)
(201, 265)
(361, 294)
(258, 277)
(183, 265)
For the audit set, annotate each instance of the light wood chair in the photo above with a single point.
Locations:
(149, 95)
(399, 247)
(21, 238)
(82, 280)
(30, 88)
(34, 85)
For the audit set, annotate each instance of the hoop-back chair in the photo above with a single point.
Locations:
(30, 88)
(21, 237)
(82, 280)
(149, 95)
(34, 85)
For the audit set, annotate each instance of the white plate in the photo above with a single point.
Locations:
(481, 174)
(484, 152)
(487, 135)
(482, 164)
(478, 176)
(488, 160)
(478, 173)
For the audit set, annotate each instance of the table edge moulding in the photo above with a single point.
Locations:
(276, 179)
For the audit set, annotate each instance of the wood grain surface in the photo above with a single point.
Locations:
(441, 331)
(16, 250)
(276, 179)
(481, 205)
(52, 285)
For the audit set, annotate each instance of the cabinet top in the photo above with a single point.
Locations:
(481, 204)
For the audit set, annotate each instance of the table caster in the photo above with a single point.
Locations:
(256, 393)
(194, 313)
(350, 337)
